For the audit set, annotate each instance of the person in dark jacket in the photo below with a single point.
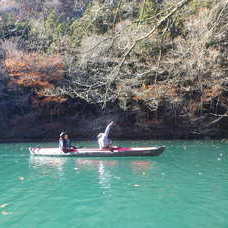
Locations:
(65, 143)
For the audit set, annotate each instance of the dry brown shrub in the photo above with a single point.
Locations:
(32, 69)
(94, 49)
(7, 5)
(191, 59)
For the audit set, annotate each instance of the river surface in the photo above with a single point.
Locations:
(185, 187)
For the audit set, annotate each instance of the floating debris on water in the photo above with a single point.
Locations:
(200, 173)
(21, 178)
(4, 205)
(136, 185)
(219, 159)
(5, 213)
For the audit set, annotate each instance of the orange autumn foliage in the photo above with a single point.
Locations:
(34, 70)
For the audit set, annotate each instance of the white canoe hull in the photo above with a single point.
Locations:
(95, 152)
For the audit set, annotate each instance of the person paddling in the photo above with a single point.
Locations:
(103, 140)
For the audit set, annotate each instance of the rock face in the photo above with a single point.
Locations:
(3, 75)
(3, 80)
(22, 118)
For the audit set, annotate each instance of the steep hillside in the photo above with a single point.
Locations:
(157, 68)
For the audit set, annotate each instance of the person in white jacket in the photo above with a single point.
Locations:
(103, 140)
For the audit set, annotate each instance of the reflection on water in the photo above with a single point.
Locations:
(104, 177)
(141, 166)
(94, 163)
(90, 164)
(103, 168)
(51, 162)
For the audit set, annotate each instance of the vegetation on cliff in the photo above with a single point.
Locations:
(159, 68)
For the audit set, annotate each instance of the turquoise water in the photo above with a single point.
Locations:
(186, 187)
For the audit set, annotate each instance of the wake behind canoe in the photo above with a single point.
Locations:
(95, 152)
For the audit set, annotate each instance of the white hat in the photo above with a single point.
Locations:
(62, 134)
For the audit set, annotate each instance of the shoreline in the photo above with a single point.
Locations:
(52, 140)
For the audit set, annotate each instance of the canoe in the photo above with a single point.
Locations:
(95, 152)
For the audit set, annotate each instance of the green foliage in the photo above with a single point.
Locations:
(147, 48)
(148, 11)
(128, 11)
(54, 28)
(196, 5)
(51, 23)
(175, 27)
(46, 34)
(10, 28)
(79, 28)
(93, 20)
